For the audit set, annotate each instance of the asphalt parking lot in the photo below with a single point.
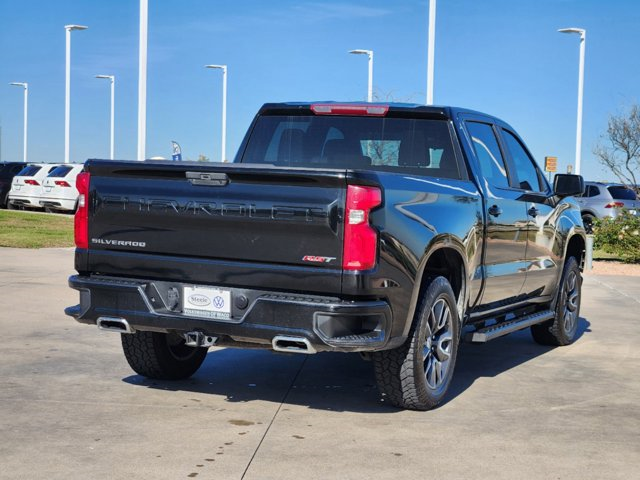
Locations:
(70, 407)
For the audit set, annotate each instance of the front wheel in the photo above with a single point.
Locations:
(417, 374)
(563, 328)
(162, 356)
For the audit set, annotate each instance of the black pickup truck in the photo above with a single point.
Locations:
(385, 229)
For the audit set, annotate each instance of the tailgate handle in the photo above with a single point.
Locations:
(211, 179)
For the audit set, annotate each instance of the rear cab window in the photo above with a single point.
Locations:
(419, 146)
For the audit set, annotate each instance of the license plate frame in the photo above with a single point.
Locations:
(206, 302)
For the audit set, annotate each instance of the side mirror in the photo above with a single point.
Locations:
(565, 185)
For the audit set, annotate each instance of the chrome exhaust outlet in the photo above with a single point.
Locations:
(114, 324)
(286, 343)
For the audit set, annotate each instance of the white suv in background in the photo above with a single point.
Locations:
(26, 186)
(59, 188)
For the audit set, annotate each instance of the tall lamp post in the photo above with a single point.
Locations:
(26, 109)
(369, 54)
(112, 80)
(431, 50)
(67, 89)
(142, 80)
(224, 107)
(583, 34)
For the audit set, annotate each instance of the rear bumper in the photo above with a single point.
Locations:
(257, 316)
(58, 203)
(26, 201)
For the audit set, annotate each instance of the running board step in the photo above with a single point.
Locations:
(498, 330)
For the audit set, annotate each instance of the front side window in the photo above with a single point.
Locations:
(419, 146)
(488, 152)
(526, 172)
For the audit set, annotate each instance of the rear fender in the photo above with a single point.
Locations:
(444, 241)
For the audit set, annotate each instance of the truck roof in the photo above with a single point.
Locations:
(443, 111)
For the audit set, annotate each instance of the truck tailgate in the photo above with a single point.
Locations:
(258, 218)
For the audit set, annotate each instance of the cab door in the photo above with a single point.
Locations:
(504, 266)
(543, 254)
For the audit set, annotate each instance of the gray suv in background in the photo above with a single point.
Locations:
(601, 200)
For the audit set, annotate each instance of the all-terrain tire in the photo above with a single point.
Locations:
(405, 375)
(562, 329)
(161, 356)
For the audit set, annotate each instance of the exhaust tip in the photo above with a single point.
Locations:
(289, 344)
(114, 324)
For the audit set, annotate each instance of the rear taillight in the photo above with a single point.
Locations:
(62, 183)
(360, 238)
(31, 182)
(348, 109)
(614, 205)
(81, 221)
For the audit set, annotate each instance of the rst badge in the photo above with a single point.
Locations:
(317, 259)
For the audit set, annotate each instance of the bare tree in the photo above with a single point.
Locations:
(619, 148)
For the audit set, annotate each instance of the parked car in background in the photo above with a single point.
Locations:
(602, 200)
(59, 191)
(8, 170)
(26, 186)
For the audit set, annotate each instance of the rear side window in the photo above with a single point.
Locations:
(488, 152)
(421, 146)
(29, 171)
(60, 172)
(526, 171)
(622, 193)
(591, 191)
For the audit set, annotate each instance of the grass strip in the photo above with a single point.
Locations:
(35, 230)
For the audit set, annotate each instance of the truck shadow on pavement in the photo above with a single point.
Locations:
(336, 381)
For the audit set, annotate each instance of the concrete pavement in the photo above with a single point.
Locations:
(70, 407)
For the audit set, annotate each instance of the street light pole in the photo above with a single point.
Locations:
(112, 79)
(224, 108)
(67, 89)
(142, 81)
(431, 50)
(369, 54)
(583, 34)
(26, 110)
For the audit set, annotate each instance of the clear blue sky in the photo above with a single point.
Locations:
(503, 57)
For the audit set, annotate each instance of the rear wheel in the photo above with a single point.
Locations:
(563, 328)
(417, 374)
(162, 356)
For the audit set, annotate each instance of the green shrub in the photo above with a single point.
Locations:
(619, 236)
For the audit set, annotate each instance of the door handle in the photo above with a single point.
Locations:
(495, 211)
(533, 212)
